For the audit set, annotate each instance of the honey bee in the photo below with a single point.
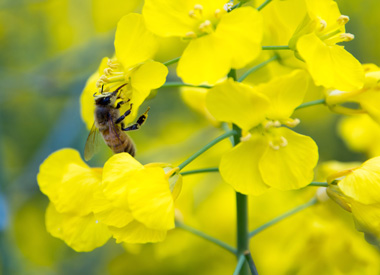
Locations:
(109, 123)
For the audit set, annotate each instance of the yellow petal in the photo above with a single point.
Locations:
(81, 233)
(171, 18)
(367, 218)
(87, 102)
(108, 214)
(133, 42)
(237, 103)
(241, 33)
(118, 171)
(150, 199)
(136, 232)
(239, 166)
(291, 166)
(68, 181)
(204, 60)
(330, 66)
(285, 93)
(363, 183)
(148, 76)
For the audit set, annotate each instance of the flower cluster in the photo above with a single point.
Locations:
(124, 199)
(224, 44)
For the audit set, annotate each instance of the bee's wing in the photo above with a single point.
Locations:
(92, 143)
(112, 129)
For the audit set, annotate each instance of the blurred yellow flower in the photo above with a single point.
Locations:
(220, 40)
(361, 134)
(359, 192)
(70, 184)
(136, 201)
(368, 97)
(134, 48)
(269, 155)
(315, 41)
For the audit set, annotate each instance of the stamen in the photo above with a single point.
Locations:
(206, 26)
(191, 35)
(283, 142)
(323, 24)
(274, 147)
(192, 14)
(217, 13)
(246, 137)
(198, 7)
(111, 64)
(343, 19)
(347, 36)
(107, 71)
(292, 122)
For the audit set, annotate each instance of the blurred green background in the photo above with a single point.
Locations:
(48, 50)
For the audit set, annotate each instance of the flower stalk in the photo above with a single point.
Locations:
(205, 148)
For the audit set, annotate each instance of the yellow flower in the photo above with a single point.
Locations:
(134, 48)
(136, 201)
(268, 155)
(220, 40)
(368, 97)
(361, 134)
(315, 41)
(359, 192)
(70, 184)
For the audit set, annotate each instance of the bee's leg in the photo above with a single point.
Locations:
(118, 105)
(140, 121)
(120, 119)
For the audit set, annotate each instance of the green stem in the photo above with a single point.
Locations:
(263, 5)
(283, 216)
(242, 226)
(205, 236)
(181, 84)
(205, 148)
(251, 263)
(285, 47)
(311, 103)
(255, 68)
(322, 184)
(197, 171)
(169, 62)
(239, 264)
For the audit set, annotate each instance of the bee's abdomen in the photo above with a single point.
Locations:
(122, 144)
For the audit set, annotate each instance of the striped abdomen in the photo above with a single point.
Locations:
(119, 141)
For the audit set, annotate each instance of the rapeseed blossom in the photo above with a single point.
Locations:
(219, 40)
(269, 155)
(315, 40)
(357, 190)
(70, 184)
(126, 200)
(132, 66)
(367, 98)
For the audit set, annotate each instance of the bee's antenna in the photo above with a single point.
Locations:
(117, 90)
(102, 89)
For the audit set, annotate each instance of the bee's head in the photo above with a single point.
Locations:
(105, 99)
